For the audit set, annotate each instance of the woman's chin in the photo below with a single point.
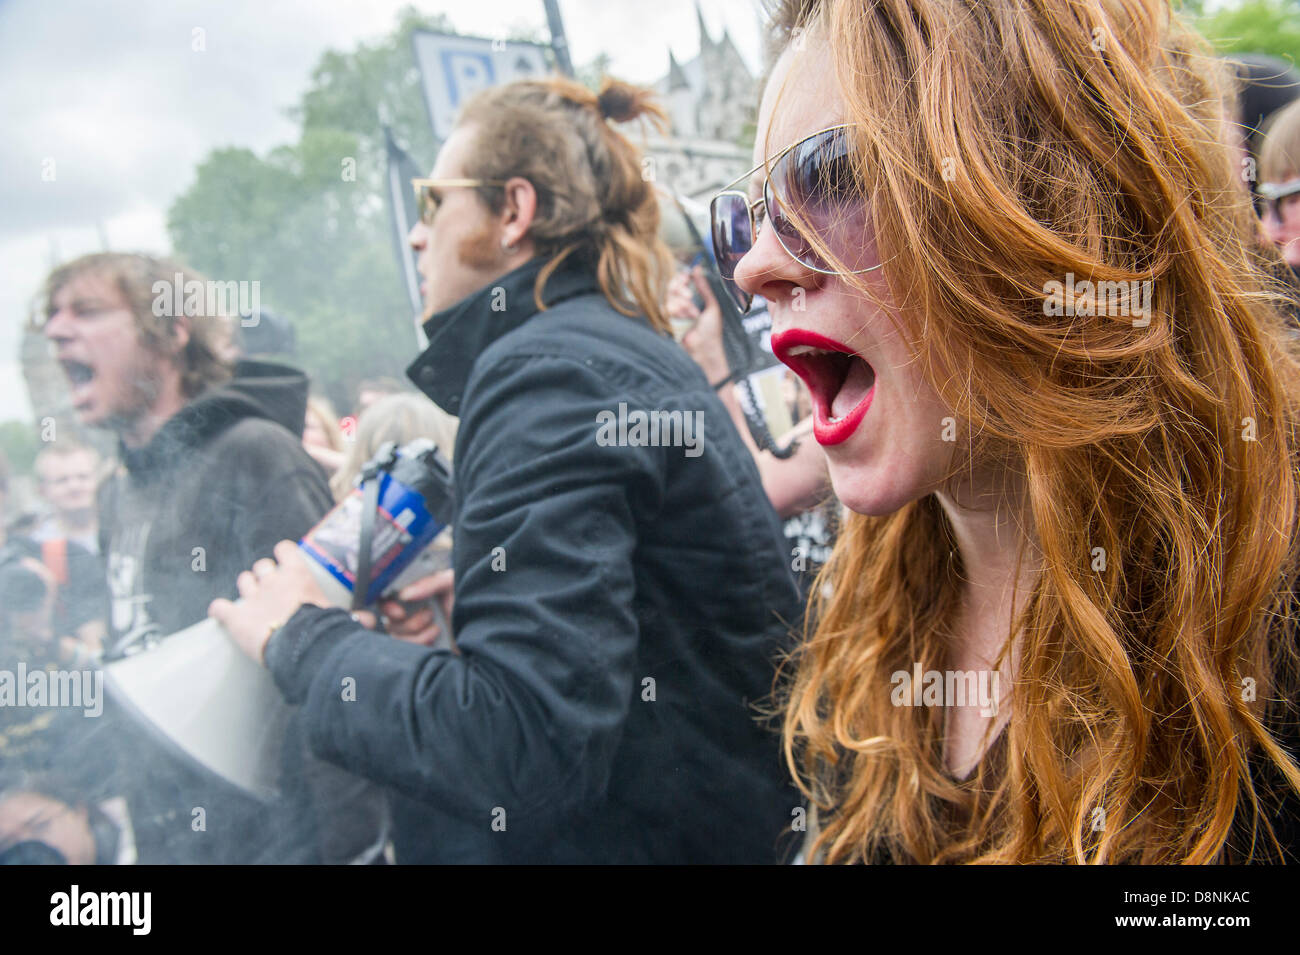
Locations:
(865, 493)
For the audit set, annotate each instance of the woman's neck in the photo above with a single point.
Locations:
(990, 519)
(988, 511)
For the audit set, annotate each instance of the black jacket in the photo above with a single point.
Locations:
(220, 484)
(618, 610)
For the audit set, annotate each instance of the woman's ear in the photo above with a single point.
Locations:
(519, 212)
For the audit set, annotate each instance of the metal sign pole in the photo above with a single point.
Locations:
(559, 42)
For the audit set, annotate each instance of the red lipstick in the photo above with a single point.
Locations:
(828, 367)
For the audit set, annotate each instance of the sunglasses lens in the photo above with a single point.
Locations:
(425, 205)
(812, 191)
(732, 239)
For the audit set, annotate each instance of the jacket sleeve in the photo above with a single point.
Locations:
(529, 712)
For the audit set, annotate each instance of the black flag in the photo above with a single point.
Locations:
(401, 206)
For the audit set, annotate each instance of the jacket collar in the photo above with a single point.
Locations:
(458, 335)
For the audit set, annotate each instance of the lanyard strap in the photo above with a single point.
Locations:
(369, 507)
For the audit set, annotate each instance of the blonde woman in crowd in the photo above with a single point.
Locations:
(399, 418)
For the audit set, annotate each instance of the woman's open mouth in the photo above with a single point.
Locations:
(842, 382)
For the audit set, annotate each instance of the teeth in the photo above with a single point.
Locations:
(807, 350)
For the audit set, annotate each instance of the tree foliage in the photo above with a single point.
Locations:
(1252, 26)
(309, 220)
(19, 445)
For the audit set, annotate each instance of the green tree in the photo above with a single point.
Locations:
(1252, 26)
(309, 220)
(19, 443)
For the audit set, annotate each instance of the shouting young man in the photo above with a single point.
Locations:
(212, 474)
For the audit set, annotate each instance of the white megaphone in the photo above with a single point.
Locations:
(209, 701)
(214, 706)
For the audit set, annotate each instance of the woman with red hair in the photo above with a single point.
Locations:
(1005, 245)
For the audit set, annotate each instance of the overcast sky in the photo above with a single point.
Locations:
(114, 94)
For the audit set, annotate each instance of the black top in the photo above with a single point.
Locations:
(618, 607)
(1279, 804)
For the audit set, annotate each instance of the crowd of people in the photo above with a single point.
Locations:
(1023, 592)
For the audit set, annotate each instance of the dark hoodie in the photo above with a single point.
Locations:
(220, 484)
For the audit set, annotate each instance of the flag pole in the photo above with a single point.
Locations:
(559, 42)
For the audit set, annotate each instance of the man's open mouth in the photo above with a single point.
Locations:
(77, 372)
(841, 381)
(79, 376)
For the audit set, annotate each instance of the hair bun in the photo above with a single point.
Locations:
(623, 102)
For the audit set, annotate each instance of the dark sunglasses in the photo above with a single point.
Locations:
(1274, 194)
(814, 178)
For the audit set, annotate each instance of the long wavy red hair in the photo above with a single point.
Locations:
(1005, 145)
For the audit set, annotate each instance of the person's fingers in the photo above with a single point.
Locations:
(681, 306)
(432, 586)
(680, 283)
(680, 299)
(425, 638)
(366, 619)
(702, 286)
(220, 609)
(263, 567)
(287, 551)
(298, 573)
(392, 610)
(246, 584)
(420, 620)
